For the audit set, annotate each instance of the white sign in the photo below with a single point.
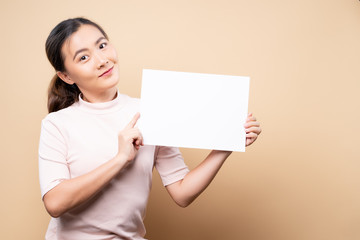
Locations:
(194, 110)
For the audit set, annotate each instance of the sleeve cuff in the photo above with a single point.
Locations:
(174, 178)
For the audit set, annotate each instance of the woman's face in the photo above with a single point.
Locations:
(90, 61)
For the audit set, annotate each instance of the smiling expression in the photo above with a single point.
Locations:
(91, 63)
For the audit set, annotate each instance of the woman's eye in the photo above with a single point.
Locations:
(102, 45)
(83, 58)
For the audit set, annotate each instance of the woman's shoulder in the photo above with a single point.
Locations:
(129, 101)
(60, 115)
(127, 98)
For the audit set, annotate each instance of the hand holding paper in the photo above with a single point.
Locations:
(252, 129)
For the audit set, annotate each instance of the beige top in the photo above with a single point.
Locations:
(77, 139)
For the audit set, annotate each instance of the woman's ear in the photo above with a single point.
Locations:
(65, 77)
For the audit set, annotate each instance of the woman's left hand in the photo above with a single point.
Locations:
(252, 129)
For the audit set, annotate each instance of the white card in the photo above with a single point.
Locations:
(194, 110)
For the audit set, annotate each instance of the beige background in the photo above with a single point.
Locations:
(299, 181)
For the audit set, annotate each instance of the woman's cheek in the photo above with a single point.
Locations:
(114, 55)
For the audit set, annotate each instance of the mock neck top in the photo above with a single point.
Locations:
(102, 107)
(78, 139)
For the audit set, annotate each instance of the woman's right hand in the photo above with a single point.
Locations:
(130, 140)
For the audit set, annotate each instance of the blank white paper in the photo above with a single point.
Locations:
(193, 110)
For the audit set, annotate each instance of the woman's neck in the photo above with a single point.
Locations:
(99, 97)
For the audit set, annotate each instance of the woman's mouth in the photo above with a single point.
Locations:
(106, 73)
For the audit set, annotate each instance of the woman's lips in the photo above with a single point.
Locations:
(108, 72)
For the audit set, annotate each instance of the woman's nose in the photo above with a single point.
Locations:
(101, 59)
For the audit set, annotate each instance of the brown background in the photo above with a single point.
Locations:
(299, 181)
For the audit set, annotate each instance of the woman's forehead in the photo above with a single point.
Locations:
(85, 37)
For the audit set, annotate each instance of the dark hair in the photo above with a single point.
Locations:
(61, 94)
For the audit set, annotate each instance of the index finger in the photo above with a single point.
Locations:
(133, 121)
(251, 118)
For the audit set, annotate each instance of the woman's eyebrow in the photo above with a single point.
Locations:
(84, 49)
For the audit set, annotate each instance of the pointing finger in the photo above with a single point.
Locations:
(133, 121)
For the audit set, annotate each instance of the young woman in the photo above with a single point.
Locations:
(95, 172)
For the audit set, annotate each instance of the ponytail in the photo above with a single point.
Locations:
(61, 94)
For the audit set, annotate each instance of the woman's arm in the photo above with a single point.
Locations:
(73, 192)
(196, 181)
(185, 191)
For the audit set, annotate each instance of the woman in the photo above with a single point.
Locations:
(95, 172)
